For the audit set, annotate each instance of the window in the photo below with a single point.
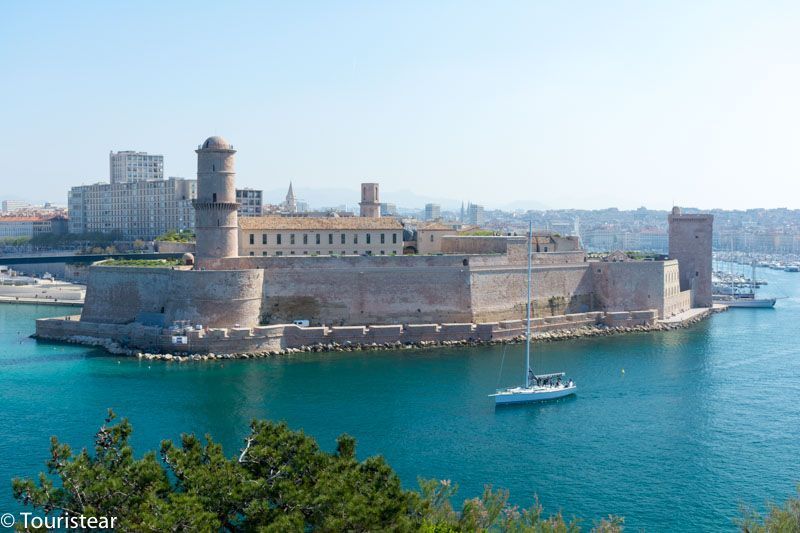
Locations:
(355, 252)
(318, 238)
(279, 238)
(383, 238)
(252, 253)
(278, 253)
(263, 238)
(305, 238)
(342, 239)
(252, 239)
(292, 252)
(369, 240)
(291, 238)
(431, 237)
(355, 238)
(305, 252)
(330, 238)
(394, 238)
(263, 253)
(383, 252)
(214, 197)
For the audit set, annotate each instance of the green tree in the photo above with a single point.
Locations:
(281, 481)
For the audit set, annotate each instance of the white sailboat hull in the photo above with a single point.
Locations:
(532, 394)
(747, 302)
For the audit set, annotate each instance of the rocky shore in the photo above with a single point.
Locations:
(549, 336)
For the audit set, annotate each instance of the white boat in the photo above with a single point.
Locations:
(744, 302)
(536, 393)
(537, 388)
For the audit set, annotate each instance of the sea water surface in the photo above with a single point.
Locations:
(700, 421)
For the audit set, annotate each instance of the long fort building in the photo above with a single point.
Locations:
(251, 278)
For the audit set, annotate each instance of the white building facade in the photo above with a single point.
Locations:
(129, 166)
(135, 209)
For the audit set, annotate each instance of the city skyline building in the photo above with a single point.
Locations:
(136, 209)
(128, 165)
(433, 211)
(251, 202)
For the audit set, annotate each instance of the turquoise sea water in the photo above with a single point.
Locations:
(701, 420)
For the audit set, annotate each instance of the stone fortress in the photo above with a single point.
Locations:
(224, 300)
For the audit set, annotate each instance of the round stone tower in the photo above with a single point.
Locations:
(370, 203)
(216, 221)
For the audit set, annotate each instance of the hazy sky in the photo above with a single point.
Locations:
(569, 104)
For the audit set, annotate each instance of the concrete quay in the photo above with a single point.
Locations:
(264, 341)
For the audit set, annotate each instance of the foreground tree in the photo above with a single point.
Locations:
(281, 481)
(783, 518)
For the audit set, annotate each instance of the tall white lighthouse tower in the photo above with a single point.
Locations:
(216, 220)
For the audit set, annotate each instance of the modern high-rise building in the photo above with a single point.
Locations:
(250, 202)
(388, 210)
(433, 211)
(129, 166)
(135, 209)
(475, 215)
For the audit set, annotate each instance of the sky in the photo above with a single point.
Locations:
(564, 104)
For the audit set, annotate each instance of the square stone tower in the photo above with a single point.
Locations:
(690, 238)
(370, 203)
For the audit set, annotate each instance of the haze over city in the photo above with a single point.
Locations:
(584, 105)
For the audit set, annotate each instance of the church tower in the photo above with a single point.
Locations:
(291, 201)
(216, 220)
(370, 203)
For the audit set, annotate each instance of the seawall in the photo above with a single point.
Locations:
(131, 339)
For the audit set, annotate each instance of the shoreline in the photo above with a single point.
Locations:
(586, 331)
(39, 301)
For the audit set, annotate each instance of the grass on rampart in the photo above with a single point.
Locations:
(150, 263)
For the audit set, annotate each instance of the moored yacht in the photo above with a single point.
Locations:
(537, 388)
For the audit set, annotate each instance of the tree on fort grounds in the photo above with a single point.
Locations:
(281, 481)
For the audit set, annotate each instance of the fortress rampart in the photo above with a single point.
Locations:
(161, 296)
(478, 290)
(280, 337)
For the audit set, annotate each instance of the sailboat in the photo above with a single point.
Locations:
(540, 387)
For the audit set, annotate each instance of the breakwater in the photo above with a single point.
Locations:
(267, 341)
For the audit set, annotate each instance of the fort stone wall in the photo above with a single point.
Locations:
(362, 290)
(620, 286)
(499, 292)
(121, 295)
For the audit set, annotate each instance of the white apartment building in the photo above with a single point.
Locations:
(9, 206)
(136, 209)
(129, 166)
(251, 202)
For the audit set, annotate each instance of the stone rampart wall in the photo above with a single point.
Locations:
(121, 295)
(282, 336)
(620, 286)
(358, 290)
(500, 292)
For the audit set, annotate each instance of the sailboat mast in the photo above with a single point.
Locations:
(528, 309)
